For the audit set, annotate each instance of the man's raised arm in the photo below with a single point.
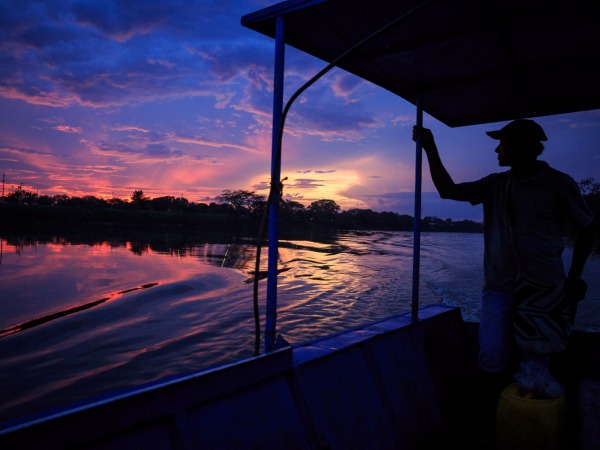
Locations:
(441, 178)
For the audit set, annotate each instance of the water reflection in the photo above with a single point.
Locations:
(48, 277)
(53, 276)
(232, 249)
(138, 244)
(85, 315)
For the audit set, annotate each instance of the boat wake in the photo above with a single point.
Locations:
(67, 312)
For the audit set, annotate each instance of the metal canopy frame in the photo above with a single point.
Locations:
(463, 62)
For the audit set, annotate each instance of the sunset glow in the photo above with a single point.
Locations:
(174, 98)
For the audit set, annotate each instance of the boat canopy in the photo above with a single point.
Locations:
(463, 62)
(466, 61)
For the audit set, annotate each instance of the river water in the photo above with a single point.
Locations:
(83, 317)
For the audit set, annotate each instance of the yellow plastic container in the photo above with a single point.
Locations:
(523, 422)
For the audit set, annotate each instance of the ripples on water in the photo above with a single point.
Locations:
(79, 319)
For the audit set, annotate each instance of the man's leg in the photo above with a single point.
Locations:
(496, 331)
(496, 355)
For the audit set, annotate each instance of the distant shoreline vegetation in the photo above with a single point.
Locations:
(234, 209)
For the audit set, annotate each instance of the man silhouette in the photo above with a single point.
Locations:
(525, 209)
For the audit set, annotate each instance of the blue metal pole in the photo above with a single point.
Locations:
(417, 221)
(273, 253)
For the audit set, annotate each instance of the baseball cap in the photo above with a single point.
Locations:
(522, 128)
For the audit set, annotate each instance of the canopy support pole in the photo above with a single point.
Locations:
(417, 219)
(273, 253)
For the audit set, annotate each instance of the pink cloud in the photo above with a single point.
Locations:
(68, 129)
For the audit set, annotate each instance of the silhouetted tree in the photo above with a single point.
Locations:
(588, 186)
(292, 208)
(139, 200)
(45, 200)
(181, 204)
(91, 201)
(21, 196)
(242, 201)
(162, 203)
(198, 208)
(245, 202)
(138, 197)
(116, 202)
(323, 210)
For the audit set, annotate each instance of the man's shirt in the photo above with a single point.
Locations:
(524, 224)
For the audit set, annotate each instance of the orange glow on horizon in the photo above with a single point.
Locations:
(201, 178)
(329, 186)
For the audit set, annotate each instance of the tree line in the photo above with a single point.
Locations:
(243, 204)
(251, 206)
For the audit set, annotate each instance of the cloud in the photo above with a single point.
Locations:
(142, 144)
(130, 128)
(136, 151)
(112, 53)
(124, 20)
(207, 160)
(307, 183)
(161, 151)
(262, 186)
(346, 125)
(206, 143)
(432, 205)
(68, 129)
(590, 124)
(7, 148)
(403, 120)
(118, 20)
(344, 85)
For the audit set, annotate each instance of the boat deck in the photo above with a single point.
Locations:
(387, 385)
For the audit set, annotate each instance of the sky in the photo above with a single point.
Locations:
(174, 97)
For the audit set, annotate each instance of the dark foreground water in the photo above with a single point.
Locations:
(82, 317)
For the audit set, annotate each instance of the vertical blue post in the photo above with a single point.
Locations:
(270, 330)
(417, 221)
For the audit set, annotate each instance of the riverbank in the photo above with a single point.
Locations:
(28, 218)
(15, 217)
